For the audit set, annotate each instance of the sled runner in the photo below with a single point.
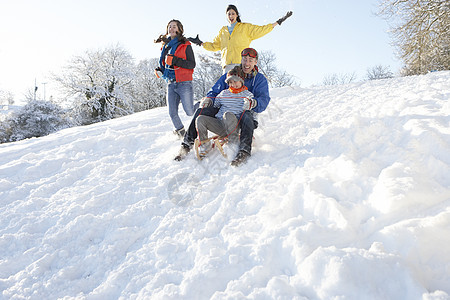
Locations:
(217, 142)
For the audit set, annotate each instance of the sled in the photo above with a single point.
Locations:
(218, 143)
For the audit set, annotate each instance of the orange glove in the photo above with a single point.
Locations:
(169, 59)
(156, 71)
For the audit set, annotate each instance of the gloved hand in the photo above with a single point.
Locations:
(169, 59)
(195, 40)
(158, 69)
(162, 38)
(282, 19)
(249, 103)
(206, 102)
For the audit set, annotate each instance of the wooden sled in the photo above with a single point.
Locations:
(218, 143)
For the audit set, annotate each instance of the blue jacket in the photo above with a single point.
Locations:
(256, 83)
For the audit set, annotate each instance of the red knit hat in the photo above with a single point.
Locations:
(235, 74)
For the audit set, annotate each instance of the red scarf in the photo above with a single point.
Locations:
(237, 91)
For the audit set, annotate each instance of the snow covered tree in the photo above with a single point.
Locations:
(5, 131)
(100, 84)
(37, 118)
(207, 71)
(149, 91)
(379, 72)
(421, 33)
(275, 76)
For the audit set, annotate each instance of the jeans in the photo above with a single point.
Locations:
(247, 124)
(180, 92)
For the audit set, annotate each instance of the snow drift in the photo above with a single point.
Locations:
(346, 196)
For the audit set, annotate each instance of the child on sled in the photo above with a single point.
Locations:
(232, 102)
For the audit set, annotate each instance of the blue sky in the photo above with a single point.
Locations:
(321, 38)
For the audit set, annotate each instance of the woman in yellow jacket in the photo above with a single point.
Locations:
(232, 39)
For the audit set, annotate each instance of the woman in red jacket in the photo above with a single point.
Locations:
(177, 63)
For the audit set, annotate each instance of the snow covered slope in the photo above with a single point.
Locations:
(346, 196)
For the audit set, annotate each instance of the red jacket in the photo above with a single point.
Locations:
(182, 74)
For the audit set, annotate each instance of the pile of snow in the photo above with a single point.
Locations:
(346, 196)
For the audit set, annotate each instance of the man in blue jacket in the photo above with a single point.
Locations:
(257, 85)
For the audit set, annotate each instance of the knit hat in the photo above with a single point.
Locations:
(235, 74)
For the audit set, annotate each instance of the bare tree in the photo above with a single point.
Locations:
(421, 33)
(30, 94)
(335, 79)
(379, 72)
(275, 76)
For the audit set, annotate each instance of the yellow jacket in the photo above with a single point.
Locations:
(232, 45)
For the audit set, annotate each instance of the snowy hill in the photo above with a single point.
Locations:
(346, 196)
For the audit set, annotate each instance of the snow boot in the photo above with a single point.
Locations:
(183, 152)
(240, 158)
(203, 149)
(180, 132)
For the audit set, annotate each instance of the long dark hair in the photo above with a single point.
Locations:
(233, 7)
(180, 33)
